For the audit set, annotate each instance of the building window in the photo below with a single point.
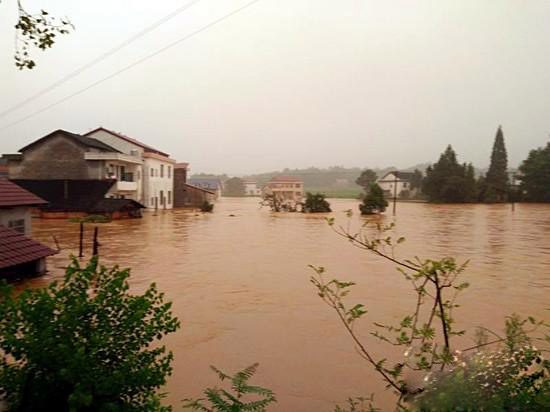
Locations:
(138, 175)
(152, 201)
(405, 184)
(169, 172)
(18, 225)
(152, 172)
(169, 197)
(161, 197)
(297, 185)
(161, 170)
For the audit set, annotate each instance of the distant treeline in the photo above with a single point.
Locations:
(334, 178)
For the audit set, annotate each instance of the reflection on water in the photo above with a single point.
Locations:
(240, 285)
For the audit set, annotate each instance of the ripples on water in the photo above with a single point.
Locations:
(240, 285)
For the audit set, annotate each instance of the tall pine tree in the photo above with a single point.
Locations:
(496, 187)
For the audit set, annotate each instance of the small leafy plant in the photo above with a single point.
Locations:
(207, 207)
(220, 400)
(85, 344)
(316, 203)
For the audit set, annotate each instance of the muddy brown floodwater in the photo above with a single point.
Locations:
(239, 282)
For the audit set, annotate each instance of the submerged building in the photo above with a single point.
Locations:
(19, 254)
(286, 188)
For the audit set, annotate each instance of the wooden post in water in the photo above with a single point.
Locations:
(394, 194)
(95, 251)
(81, 243)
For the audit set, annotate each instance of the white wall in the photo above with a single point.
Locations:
(153, 185)
(116, 142)
(389, 181)
(17, 213)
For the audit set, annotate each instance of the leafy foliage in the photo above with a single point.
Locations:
(278, 204)
(358, 405)
(449, 181)
(496, 182)
(207, 206)
(38, 30)
(84, 345)
(416, 180)
(514, 377)
(220, 400)
(367, 177)
(315, 203)
(91, 219)
(535, 175)
(374, 201)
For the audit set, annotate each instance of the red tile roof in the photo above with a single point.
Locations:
(13, 195)
(16, 248)
(147, 148)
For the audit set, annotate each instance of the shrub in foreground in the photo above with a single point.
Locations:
(84, 344)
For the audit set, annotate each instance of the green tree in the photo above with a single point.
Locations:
(316, 203)
(86, 344)
(221, 400)
(374, 201)
(447, 181)
(38, 30)
(496, 185)
(534, 174)
(416, 179)
(234, 187)
(367, 177)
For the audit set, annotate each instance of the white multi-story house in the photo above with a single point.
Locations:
(150, 180)
(396, 183)
(286, 188)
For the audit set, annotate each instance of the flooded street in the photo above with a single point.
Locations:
(239, 282)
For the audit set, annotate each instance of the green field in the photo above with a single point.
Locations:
(336, 192)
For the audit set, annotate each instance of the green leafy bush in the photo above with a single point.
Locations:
(223, 401)
(91, 219)
(84, 344)
(374, 201)
(207, 206)
(316, 203)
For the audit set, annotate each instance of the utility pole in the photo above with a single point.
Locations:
(394, 194)
(512, 192)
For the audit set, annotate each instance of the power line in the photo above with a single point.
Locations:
(99, 58)
(143, 59)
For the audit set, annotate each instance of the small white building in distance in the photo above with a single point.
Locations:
(252, 189)
(151, 180)
(395, 183)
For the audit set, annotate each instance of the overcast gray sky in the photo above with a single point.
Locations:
(296, 83)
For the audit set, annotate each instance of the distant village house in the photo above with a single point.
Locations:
(208, 184)
(397, 184)
(286, 188)
(251, 189)
(187, 195)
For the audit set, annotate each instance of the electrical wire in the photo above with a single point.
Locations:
(139, 61)
(100, 58)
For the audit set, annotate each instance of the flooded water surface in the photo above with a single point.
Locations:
(239, 281)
